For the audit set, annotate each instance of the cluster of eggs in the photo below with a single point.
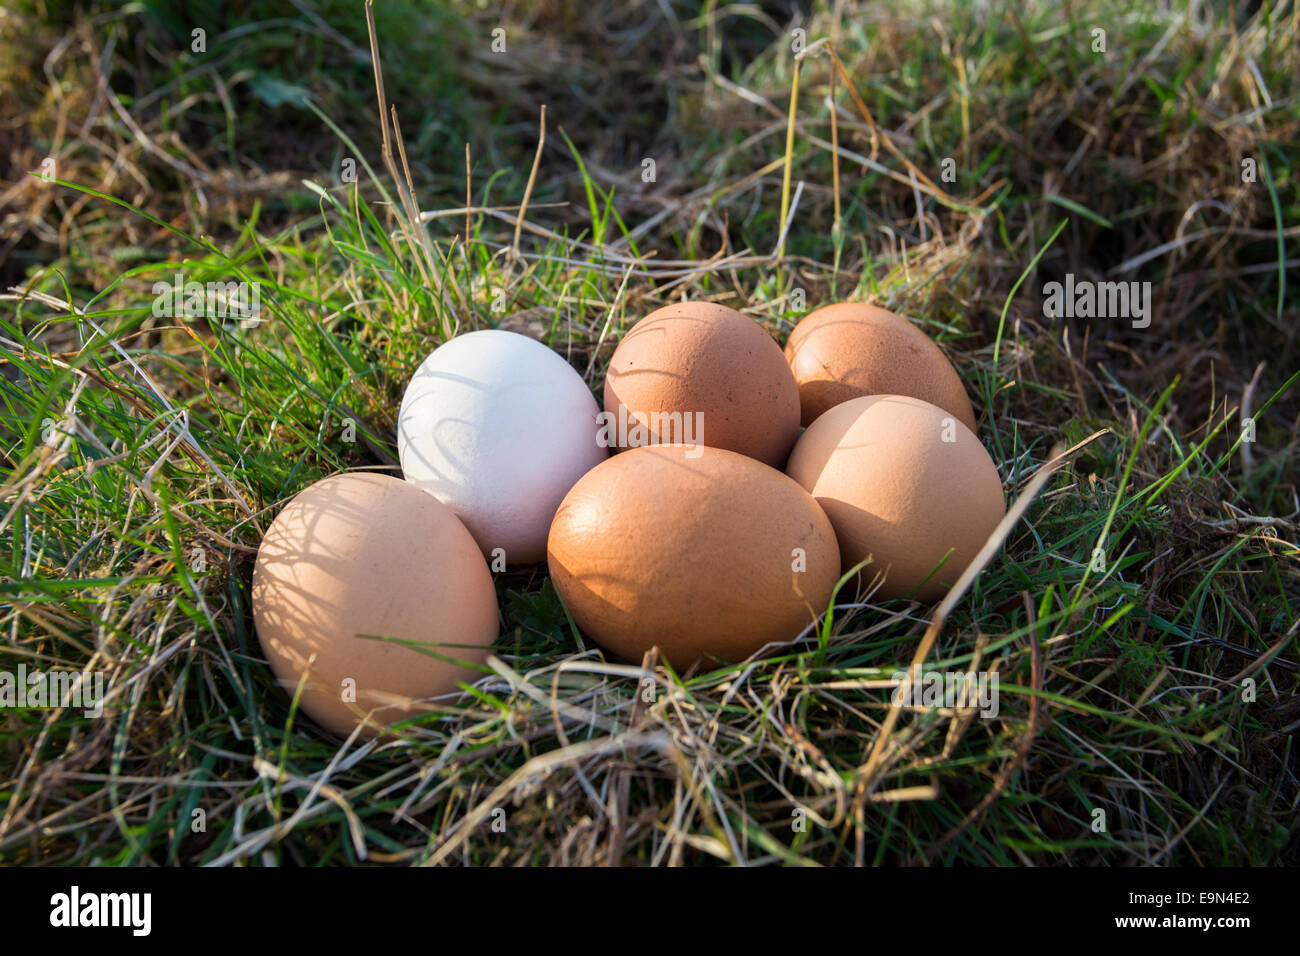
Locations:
(719, 527)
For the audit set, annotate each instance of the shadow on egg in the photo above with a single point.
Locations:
(352, 560)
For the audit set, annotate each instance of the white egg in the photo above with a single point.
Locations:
(498, 427)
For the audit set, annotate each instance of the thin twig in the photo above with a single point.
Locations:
(1026, 743)
(867, 774)
(528, 189)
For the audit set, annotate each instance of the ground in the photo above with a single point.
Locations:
(1142, 615)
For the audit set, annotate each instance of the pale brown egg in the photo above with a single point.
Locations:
(850, 349)
(700, 373)
(360, 556)
(905, 483)
(703, 552)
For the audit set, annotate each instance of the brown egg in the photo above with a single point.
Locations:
(903, 482)
(367, 554)
(717, 370)
(849, 349)
(703, 552)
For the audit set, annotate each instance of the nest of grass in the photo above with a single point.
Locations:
(146, 456)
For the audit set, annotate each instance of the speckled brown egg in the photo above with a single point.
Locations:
(903, 483)
(360, 556)
(703, 552)
(850, 349)
(718, 371)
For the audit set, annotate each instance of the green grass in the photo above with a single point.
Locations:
(145, 457)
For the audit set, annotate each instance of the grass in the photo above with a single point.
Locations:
(1148, 702)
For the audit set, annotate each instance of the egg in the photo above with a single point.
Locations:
(361, 556)
(904, 482)
(498, 427)
(704, 552)
(849, 349)
(700, 373)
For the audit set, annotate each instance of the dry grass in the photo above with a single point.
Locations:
(1121, 691)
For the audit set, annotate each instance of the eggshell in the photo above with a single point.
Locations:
(714, 364)
(849, 349)
(692, 549)
(498, 427)
(903, 482)
(368, 554)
